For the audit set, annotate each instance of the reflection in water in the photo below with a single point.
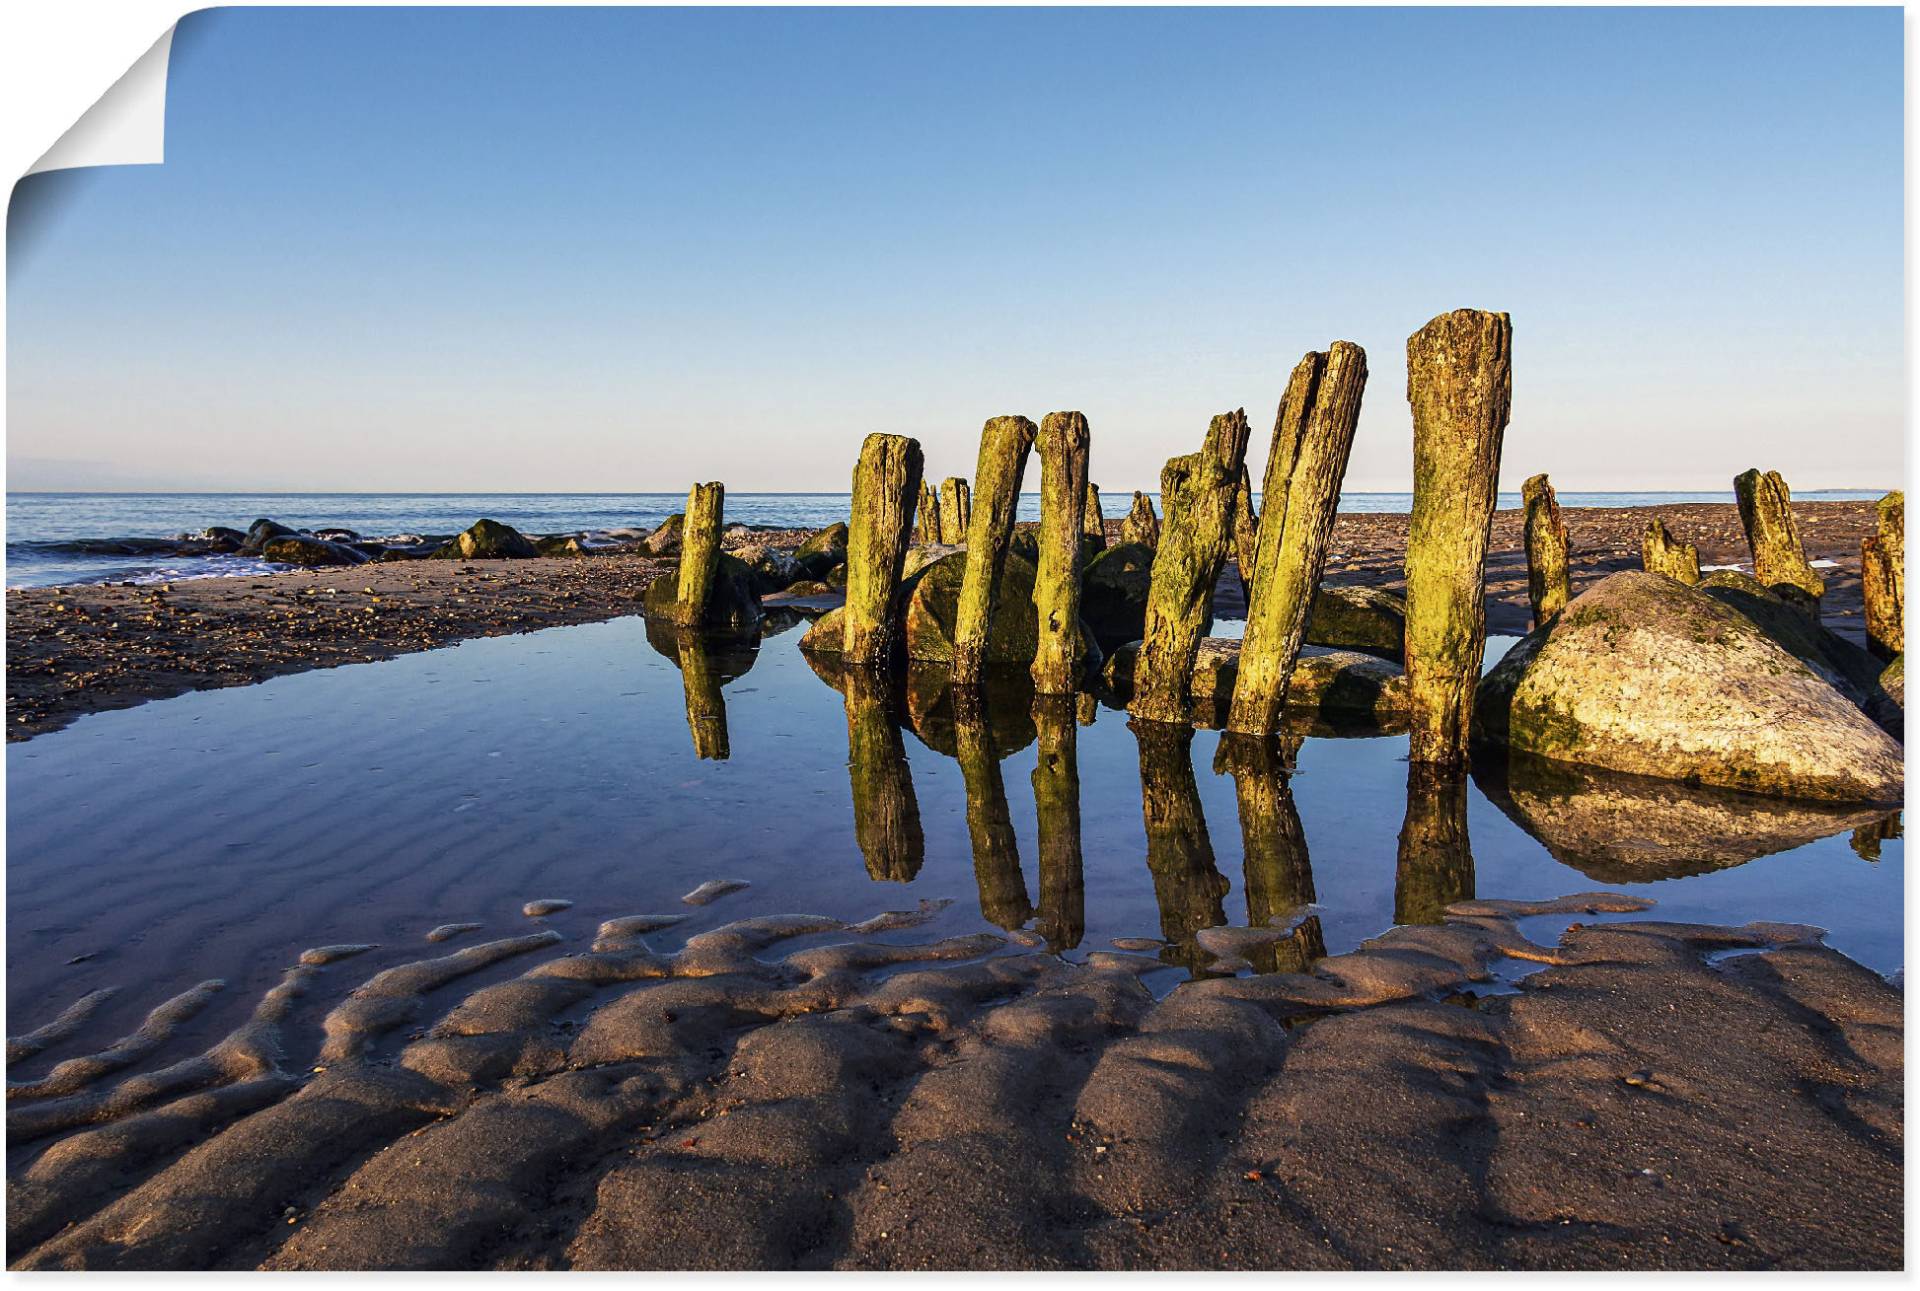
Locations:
(705, 664)
(996, 854)
(886, 813)
(1436, 863)
(1279, 876)
(1056, 797)
(1186, 882)
(1867, 839)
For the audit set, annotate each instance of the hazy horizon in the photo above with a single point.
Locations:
(508, 250)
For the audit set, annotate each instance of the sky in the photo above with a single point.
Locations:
(626, 249)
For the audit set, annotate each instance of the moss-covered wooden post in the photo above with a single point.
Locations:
(956, 509)
(1779, 561)
(926, 520)
(886, 483)
(706, 706)
(1312, 439)
(1198, 491)
(1278, 873)
(1435, 861)
(996, 850)
(886, 811)
(1546, 543)
(1187, 882)
(1064, 492)
(699, 552)
(1092, 522)
(1141, 525)
(1004, 445)
(1056, 801)
(1460, 385)
(1246, 534)
(1662, 553)
(1883, 577)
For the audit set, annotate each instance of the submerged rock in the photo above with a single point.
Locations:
(487, 540)
(1113, 593)
(1645, 675)
(297, 549)
(1359, 618)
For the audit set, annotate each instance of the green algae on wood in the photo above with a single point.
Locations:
(1064, 493)
(886, 482)
(1246, 534)
(1460, 386)
(1883, 577)
(1662, 553)
(1140, 527)
(956, 509)
(1766, 513)
(1056, 802)
(1546, 545)
(1004, 445)
(1312, 439)
(699, 551)
(926, 520)
(1092, 522)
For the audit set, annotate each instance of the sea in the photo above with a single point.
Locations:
(60, 538)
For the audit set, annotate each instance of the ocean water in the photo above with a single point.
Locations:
(43, 528)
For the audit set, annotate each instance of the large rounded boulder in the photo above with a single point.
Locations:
(1846, 667)
(1645, 675)
(488, 540)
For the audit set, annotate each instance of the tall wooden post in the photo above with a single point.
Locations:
(1064, 493)
(926, 520)
(1546, 541)
(886, 483)
(1141, 525)
(956, 509)
(1056, 801)
(1883, 578)
(1246, 533)
(1662, 553)
(1460, 385)
(1198, 491)
(699, 552)
(1766, 512)
(1092, 523)
(1004, 445)
(1312, 439)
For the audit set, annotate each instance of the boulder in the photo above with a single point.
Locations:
(487, 540)
(1113, 593)
(1894, 679)
(298, 549)
(262, 531)
(1645, 675)
(224, 539)
(336, 535)
(665, 541)
(1342, 687)
(1843, 665)
(733, 606)
(561, 544)
(772, 570)
(1359, 618)
(823, 550)
(836, 578)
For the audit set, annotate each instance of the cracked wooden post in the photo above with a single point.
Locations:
(996, 850)
(1198, 491)
(1056, 801)
(1278, 874)
(956, 509)
(886, 811)
(699, 552)
(1460, 386)
(1312, 439)
(1546, 543)
(1883, 577)
(1246, 534)
(926, 519)
(1004, 445)
(1435, 866)
(1187, 883)
(1662, 553)
(1092, 522)
(885, 484)
(1779, 561)
(1064, 493)
(1141, 525)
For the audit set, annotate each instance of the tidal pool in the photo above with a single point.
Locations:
(216, 835)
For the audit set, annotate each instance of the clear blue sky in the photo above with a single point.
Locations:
(625, 249)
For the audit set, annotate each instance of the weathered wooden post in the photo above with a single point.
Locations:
(1141, 525)
(1460, 385)
(1056, 801)
(1766, 513)
(706, 706)
(699, 552)
(1198, 491)
(1662, 553)
(1312, 438)
(1435, 860)
(926, 518)
(1278, 873)
(1004, 445)
(1883, 578)
(1187, 882)
(1546, 542)
(956, 509)
(885, 484)
(1092, 523)
(996, 851)
(1246, 533)
(1064, 493)
(886, 811)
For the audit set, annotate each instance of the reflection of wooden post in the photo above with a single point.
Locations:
(1093, 524)
(956, 509)
(706, 707)
(1279, 876)
(1546, 542)
(1246, 533)
(1662, 553)
(996, 852)
(1004, 444)
(1460, 384)
(1064, 491)
(699, 552)
(1436, 862)
(1883, 578)
(926, 519)
(1198, 491)
(1766, 513)
(1312, 438)
(885, 485)
(1056, 800)
(886, 812)
(1187, 883)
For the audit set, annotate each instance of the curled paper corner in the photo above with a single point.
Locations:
(126, 126)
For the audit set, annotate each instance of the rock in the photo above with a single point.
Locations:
(836, 578)
(919, 557)
(933, 600)
(1113, 593)
(561, 544)
(1343, 687)
(223, 538)
(297, 549)
(1894, 679)
(772, 570)
(1645, 675)
(823, 550)
(1834, 659)
(733, 606)
(487, 540)
(336, 535)
(1359, 618)
(809, 587)
(262, 531)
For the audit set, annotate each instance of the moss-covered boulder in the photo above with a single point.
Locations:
(298, 549)
(487, 540)
(837, 578)
(1113, 593)
(1359, 618)
(823, 550)
(1893, 680)
(1645, 675)
(263, 531)
(665, 540)
(773, 570)
(1845, 666)
(733, 606)
(1344, 687)
(561, 544)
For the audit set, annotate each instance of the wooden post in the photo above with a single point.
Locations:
(1187, 882)
(1064, 493)
(1246, 534)
(1662, 553)
(1198, 491)
(926, 519)
(886, 811)
(956, 509)
(1312, 438)
(1460, 385)
(1093, 524)
(699, 552)
(1435, 862)
(1004, 445)
(1883, 578)
(1278, 873)
(885, 485)
(1141, 526)
(996, 851)
(1546, 542)
(1766, 512)
(1056, 801)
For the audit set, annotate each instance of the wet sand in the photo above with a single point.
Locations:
(83, 649)
(1652, 1095)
